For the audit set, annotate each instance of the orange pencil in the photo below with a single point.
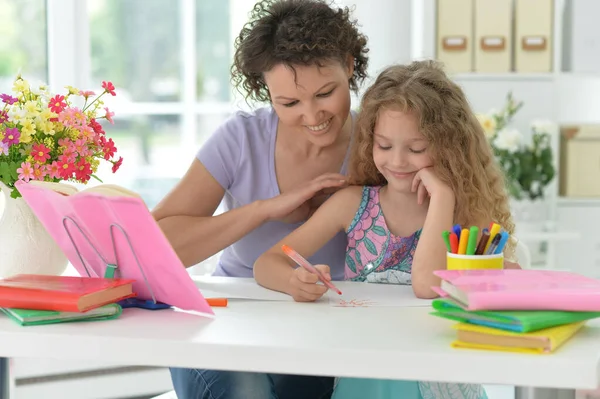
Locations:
(217, 302)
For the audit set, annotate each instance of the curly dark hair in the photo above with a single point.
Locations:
(295, 32)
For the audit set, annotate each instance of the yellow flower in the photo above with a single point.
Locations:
(21, 86)
(47, 128)
(72, 90)
(45, 116)
(27, 127)
(31, 109)
(25, 137)
(488, 123)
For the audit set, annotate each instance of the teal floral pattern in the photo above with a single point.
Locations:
(373, 253)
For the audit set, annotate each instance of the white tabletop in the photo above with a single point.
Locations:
(288, 337)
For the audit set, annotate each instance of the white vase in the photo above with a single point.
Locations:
(25, 246)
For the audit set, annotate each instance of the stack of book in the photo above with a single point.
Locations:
(527, 311)
(31, 299)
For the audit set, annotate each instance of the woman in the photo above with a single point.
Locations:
(271, 168)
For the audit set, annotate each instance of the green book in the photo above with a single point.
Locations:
(31, 317)
(511, 320)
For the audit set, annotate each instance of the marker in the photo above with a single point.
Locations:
(493, 245)
(457, 230)
(462, 242)
(493, 231)
(472, 243)
(454, 243)
(503, 239)
(296, 257)
(446, 236)
(485, 235)
(217, 302)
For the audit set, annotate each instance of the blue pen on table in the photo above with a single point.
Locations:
(503, 239)
(494, 244)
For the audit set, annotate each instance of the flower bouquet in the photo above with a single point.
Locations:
(48, 137)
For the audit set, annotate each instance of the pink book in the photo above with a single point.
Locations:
(510, 289)
(96, 229)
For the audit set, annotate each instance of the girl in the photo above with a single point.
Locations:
(420, 163)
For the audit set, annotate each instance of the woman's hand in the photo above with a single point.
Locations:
(427, 184)
(303, 284)
(299, 204)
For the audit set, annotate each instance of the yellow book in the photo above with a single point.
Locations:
(541, 341)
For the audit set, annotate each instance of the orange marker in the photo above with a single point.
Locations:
(217, 302)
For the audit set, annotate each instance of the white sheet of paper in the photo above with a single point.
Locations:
(357, 294)
(236, 288)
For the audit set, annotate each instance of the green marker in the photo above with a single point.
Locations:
(446, 235)
(472, 243)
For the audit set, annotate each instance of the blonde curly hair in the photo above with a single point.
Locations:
(461, 154)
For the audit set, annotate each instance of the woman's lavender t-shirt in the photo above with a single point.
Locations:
(240, 155)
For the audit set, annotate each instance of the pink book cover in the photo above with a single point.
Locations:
(97, 215)
(510, 289)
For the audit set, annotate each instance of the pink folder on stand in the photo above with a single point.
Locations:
(96, 231)
(511, 289)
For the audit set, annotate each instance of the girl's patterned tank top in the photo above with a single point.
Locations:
(373, 253)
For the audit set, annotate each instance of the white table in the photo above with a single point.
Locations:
(316, 339)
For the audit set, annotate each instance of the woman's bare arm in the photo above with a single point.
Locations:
(185, 216)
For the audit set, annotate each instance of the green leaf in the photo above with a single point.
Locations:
(370, 246)
(13, 170)
(380, 231)
(5, 174)
(97, 178)
(350, 262)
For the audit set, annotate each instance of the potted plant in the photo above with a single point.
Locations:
(528, 164)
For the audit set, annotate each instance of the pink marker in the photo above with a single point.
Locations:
(296, 257)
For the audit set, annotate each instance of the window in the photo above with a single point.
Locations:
(24, 41)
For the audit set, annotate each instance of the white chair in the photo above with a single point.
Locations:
(523, 255)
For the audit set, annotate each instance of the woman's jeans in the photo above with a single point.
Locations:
(214, 384)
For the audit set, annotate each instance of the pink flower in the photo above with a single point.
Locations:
(57, 104)
(109, 115)
(39, 171)
(25, 172)
(40, 153)
(11, 136)
(66, 169)
(86, 94)
(53, 170)
(96, 126)
(109, 88)
(109, 149)
(6, 99)
(81, 147)
(117, 165)
(83, 170)
(3, 116)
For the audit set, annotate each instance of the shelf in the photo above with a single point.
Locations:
(544, 236)
(508, 76)
(578, 201)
